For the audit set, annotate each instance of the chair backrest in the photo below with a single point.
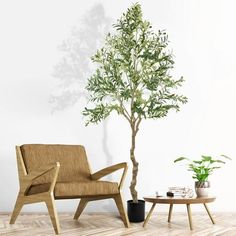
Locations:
(72, 158)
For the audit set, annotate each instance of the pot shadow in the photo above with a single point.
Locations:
(75, 67)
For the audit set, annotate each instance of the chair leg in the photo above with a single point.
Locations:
(82, 204)
(50, 202)
(120, 206)
(18, 206)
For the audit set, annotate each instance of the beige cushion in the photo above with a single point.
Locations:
(72, 158)
(77, 189)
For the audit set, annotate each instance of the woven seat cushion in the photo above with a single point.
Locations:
(77, 189)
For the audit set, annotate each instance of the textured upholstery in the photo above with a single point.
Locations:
(72, 158)
(49, 172)
(77, 189)
(74, 178)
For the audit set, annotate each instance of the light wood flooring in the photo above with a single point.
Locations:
(109, 224)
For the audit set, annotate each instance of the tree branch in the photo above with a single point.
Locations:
(124, 110)
(126, 116)
(137, 125)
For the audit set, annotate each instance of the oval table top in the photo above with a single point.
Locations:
(179, 200)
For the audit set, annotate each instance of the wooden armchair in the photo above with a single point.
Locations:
(51, 172)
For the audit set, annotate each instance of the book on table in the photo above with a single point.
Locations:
(179, 192)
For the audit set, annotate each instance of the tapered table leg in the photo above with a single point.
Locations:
(189, 216)
(170, 212)
(208, 212)
(149, 214)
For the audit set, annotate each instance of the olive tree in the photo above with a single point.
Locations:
(133, 78)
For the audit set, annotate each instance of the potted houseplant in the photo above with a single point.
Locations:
(201, 170)
(133, 79)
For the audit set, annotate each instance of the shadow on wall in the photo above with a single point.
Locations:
(76, 67)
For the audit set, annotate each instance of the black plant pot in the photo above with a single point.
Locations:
(136, 211)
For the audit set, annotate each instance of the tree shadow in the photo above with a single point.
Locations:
(75, 67)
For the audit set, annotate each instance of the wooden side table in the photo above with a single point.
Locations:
(179, 200)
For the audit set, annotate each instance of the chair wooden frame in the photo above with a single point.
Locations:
(26, 180)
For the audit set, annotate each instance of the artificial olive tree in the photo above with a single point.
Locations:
(133, 78)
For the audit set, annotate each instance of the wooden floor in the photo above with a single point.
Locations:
(109, 224)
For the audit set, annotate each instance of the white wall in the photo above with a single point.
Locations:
(202, 35)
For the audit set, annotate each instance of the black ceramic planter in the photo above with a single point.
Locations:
(136, 211)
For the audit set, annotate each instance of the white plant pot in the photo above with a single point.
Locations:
(202, 189)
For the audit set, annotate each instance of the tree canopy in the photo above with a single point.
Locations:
(133, 75)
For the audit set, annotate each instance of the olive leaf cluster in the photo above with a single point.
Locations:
(133, 74)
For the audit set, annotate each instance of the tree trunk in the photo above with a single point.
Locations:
(133, 191)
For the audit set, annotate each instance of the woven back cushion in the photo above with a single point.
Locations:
(72, 158)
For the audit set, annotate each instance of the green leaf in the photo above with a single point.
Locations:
(206, 158)
(219, 161)
(226, 157)
(197, 162)
(180, 159)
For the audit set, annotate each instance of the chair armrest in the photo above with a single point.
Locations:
(108, 170)
(41, 171)
(27, 180)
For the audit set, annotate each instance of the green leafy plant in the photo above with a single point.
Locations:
(204, 167)
(133, 78)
